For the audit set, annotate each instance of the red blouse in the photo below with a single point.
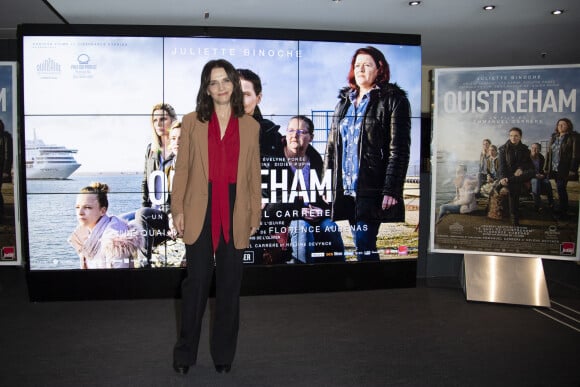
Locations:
(223, 156)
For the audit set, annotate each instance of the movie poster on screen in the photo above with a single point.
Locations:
(507, 199)
(99, 117)
(8, 86)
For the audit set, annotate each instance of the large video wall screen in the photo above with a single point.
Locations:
(87, 109)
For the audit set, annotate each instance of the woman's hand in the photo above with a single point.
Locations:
(178, 224)
(388, 202)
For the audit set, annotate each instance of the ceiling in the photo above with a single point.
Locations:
(453, 32)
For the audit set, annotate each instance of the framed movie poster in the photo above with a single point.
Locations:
(505, 159)
(9, 253)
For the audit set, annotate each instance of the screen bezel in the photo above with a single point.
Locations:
(79, 284)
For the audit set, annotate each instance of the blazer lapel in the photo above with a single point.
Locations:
(243, 148)
(202, 143)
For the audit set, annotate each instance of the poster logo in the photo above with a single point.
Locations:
(48, 69)
(567, 248)
(248, 257)
(83, 68)
(8, 254)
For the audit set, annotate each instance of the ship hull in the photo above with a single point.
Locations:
(51, 172)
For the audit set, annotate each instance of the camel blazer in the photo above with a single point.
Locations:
(189, 195)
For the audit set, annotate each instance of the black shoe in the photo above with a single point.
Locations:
(223, 368)
(180, 368)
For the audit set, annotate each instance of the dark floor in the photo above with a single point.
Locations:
(424, 336)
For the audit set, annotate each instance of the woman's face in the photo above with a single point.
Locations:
(251, 100)
(161, 122)
(88, 209)
(563, 127)
(365, 71)
(174, 137)
(220, 86)
(297, 137)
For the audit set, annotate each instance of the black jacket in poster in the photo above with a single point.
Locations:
(384, 151)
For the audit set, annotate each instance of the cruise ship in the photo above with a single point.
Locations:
(49, 161)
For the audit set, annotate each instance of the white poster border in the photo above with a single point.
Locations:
(17, 249)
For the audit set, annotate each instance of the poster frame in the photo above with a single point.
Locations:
(12, 255)
(470, 84)
(96, 284)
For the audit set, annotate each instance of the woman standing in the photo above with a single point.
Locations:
(562, 160)
(155, 206)
(368, 150)
(216, 206)
(157, 154)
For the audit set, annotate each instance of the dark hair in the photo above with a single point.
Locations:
(252, 77)
(1, 125)
(205, 107)
(566, 120)
(384, 72)
(99, 189)
(308, 122)
(516, 130)
(256, 82)
(538, 144)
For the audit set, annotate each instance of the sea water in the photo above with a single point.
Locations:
(51, 217)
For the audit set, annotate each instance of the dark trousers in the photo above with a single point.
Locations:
(515, 190)
(364, 233)
(195, 292)
(562, 194)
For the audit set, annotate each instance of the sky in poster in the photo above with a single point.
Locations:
(460, 131)
(94, 94)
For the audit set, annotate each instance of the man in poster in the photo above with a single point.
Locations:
(515, 171)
